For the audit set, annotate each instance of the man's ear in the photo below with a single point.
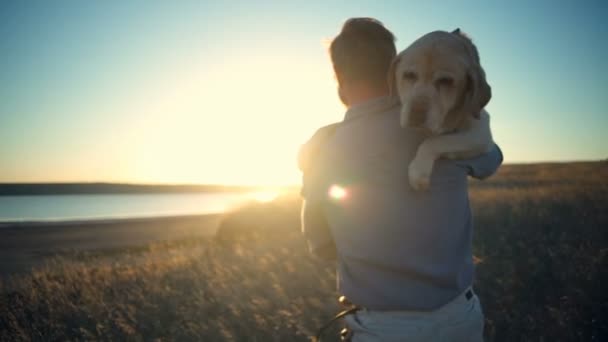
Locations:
(392, 79)
(342, 96)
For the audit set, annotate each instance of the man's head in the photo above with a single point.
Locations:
(361, 55)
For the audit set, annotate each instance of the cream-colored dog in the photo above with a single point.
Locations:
(443, 90)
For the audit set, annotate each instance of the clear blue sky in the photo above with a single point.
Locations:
(224, 92)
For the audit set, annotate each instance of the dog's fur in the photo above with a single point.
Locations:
(443, 90)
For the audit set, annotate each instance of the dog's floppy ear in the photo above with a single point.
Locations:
(392, 80)
(478, 90)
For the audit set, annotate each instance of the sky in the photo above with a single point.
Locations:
(225, 92)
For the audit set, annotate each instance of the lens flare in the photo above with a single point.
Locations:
(337, 192)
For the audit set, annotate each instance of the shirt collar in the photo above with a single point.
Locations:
(373, 106)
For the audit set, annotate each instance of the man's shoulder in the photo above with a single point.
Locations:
(310, 149)
(325, 131)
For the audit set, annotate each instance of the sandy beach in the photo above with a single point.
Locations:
(27, 244)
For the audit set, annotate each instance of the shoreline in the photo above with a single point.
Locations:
(24, 245)
(67, 222)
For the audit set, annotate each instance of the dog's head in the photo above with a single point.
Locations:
(440, 82)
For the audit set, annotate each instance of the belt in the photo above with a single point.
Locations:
(351, 308)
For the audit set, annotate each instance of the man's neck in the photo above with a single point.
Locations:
(362, 93)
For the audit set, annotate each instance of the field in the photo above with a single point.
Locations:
(541, 239)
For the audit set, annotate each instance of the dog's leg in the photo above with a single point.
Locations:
(461, 145)
(465, 144)
(421, 167)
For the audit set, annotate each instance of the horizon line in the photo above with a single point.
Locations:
(233, 185)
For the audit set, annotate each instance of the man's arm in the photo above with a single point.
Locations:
(316, 231)
(314, 224)
(484, 165)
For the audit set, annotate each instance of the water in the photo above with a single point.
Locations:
(113, 206)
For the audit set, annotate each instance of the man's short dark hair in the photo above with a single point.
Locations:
(363, 51)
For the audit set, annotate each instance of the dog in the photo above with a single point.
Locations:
(443, 90)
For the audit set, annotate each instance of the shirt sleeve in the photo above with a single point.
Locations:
(308, 153)
(483, 166)
(315, 227)
(309, 150)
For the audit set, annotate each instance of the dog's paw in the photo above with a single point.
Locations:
(419, 177)
(420, 183)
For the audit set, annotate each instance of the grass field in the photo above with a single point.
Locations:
(541, 236)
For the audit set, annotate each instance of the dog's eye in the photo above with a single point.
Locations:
(445, 81)
(409, 76)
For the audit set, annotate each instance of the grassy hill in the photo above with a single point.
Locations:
(540, 235)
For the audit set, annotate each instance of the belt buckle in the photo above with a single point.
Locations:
(346, 335)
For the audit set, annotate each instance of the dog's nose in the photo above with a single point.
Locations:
(418, 112)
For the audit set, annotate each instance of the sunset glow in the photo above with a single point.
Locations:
(201, 92)
(265, 196)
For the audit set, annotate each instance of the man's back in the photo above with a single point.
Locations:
(397, 249)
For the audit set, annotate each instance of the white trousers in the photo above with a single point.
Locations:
(459, 320)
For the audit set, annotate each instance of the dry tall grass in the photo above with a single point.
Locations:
(540, 234)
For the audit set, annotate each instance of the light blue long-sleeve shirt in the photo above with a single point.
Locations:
(397, 249)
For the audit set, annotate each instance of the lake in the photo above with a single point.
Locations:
(114, 206)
